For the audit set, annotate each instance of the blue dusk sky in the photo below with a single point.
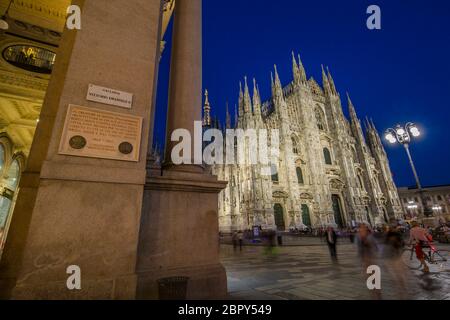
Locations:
(394, 75)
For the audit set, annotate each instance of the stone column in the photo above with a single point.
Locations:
(185, 91)
(78, 210)
(179, 233)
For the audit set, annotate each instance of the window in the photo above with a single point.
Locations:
(320, 118)
(12, 178)
(327, 156)
(30, 58)
(295, 148)
(2, 157)
(355, 155)
(274, 171)
(439, 198)
(299, 175)
(9, 187)
(306, 218)
(361, 184)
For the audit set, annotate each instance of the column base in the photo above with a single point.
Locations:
(179, 235)
(119, 288)
(207, 282)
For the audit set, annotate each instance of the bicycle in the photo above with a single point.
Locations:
(432, 255)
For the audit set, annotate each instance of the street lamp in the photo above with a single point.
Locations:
(437, 208)
(404, 135)
(412, 207)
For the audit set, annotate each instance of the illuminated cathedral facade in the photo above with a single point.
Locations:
(331, 170)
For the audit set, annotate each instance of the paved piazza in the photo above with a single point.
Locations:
(304, 270)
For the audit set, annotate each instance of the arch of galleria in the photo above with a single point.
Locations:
(101, 206)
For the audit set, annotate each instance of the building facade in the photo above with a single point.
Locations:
(330, 170)
(437, 199)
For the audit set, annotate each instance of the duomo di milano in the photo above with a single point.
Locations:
(330, 170)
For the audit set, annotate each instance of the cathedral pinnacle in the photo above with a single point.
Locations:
(206, 111)
(247, 99)
(256, 98)
(331, 81)
(325, 82)
(228, 117)
(302, 69)
(351, 109)
(241, 99)
(298, 70)
(295, 69)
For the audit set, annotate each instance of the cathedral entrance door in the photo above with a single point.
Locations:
(369, 220)
(279, 216)
(386, 217)
(337, 209)
(306, 218)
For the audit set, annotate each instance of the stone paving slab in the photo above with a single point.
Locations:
(307, 272)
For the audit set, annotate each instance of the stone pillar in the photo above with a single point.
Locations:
(179, 233)
(185, 88)
(77, 210)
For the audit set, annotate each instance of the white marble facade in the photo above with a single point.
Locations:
(330, 171)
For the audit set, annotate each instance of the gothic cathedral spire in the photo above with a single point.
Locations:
(331, 81)
(256, 99)
(295, 70)
(325, 82)
(228, 118)
(298, 70)
(206, 111)
(247, 99)
(241, 100)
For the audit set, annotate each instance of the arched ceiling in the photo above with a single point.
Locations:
(39, 23)
(34, 22)
(51, 14)
(48, 14)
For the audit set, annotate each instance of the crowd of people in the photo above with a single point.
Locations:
(383, 245)
(391, 237)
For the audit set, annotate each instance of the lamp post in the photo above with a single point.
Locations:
(412, 207)
(438, 210)
(404, 135)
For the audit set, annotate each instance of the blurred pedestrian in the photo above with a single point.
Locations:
(366, 249)
(234, 238)
(420, 237)
(331, 239)
(240, 237)
(351, 235)
(366, 245)
(393, 251)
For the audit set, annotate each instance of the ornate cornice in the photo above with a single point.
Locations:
(22, 81)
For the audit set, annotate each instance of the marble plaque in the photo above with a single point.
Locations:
(110, 96)
(95, 133)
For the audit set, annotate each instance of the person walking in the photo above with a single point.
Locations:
(235, 239)
(331, 239)
(420, 238)
(240, 237)
(393, 249)
(366, 249)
